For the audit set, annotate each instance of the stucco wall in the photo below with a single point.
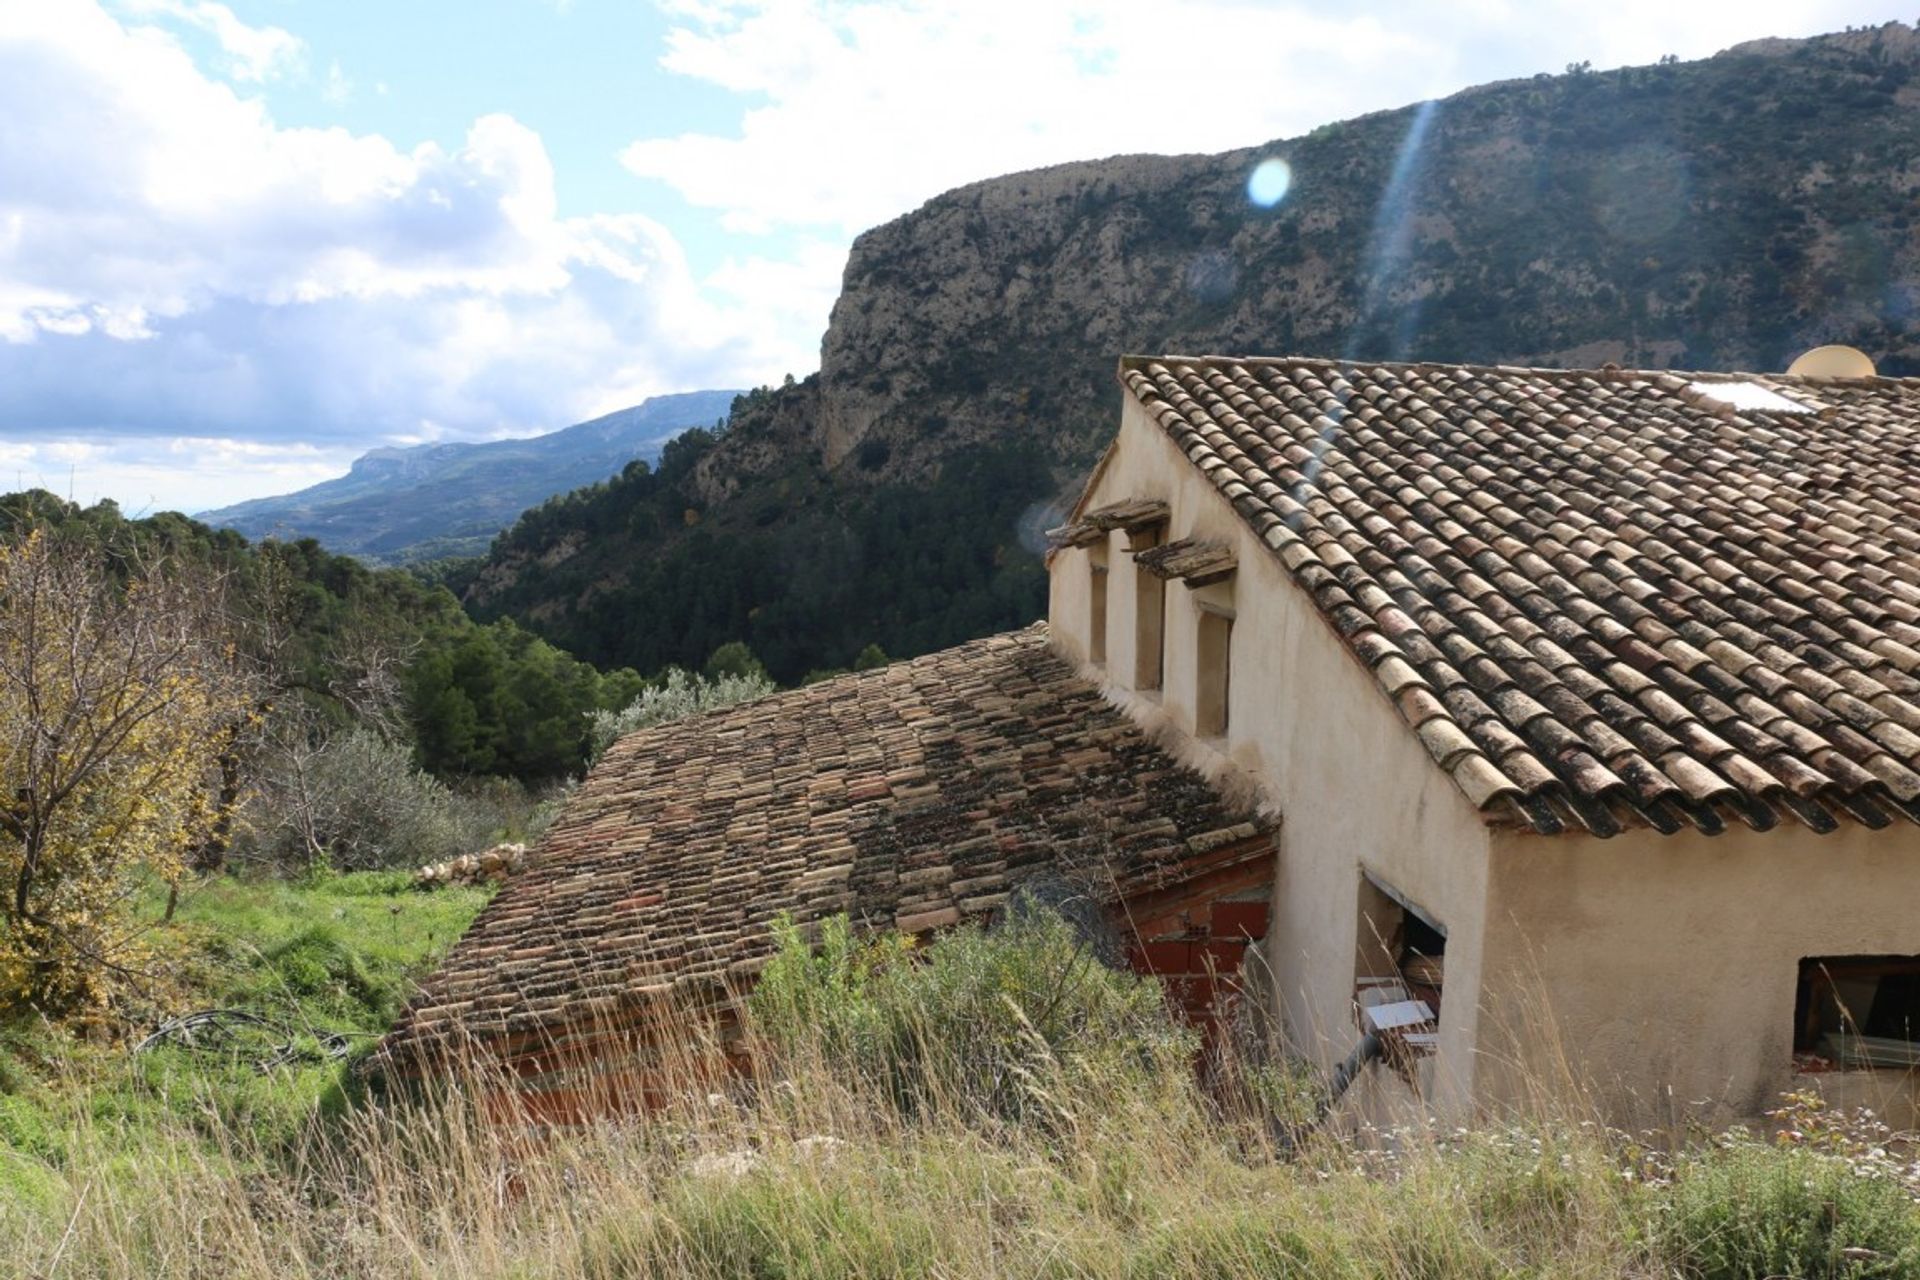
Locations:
(1312, 731)
(1673, 960)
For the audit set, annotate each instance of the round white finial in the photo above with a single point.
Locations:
(1833, 361)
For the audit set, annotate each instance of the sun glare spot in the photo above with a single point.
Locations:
(1267, 184)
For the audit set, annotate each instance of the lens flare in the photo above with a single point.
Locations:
(1267, 184)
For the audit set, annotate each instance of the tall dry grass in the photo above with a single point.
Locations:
(864, 1143)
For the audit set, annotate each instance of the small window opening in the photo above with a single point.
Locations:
(1149, 617)
(1401, 954)
(1097, 608)
(1855, 1012)
(1214, 653)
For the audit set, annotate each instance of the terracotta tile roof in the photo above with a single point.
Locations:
(1131, 514)
(1195, 561)
(914, 796)
(1603, 598)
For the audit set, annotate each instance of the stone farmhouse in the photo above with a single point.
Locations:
(1493, 719)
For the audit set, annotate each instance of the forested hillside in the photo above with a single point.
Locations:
(360, 646)
(402, 506)
(1726, 213)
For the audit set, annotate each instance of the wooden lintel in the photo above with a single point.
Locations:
(1134, 513)
(1194, 561)
(1129, 515)
(1080, 533)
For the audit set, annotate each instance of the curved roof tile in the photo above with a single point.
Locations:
(1605, 598)
(913, 796)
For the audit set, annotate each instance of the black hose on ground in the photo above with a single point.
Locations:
(1371, 1049)
(1368, 1051)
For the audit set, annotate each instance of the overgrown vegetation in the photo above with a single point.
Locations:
(1005, 1026)
(897, 1163)
(329, 954)
(679, 693)
(175, 704)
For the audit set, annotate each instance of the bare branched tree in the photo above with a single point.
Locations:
(116, 692)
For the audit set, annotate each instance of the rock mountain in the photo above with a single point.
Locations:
(1725, 213)
(395, 506)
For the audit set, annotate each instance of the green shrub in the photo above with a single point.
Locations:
(731, 678)
(1746, 1211)
(27, 1130)
(359, 802)
(320, 964)
(1019, 1022)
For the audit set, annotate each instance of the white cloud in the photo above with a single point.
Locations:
(251, 53)
(175, 264)
(337, 89)
(184, 473)
(862, 109)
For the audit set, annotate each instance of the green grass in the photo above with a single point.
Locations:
(858, 1146)
(327, 954)
(336, 951)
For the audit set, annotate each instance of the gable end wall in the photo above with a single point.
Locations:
(1315, 734)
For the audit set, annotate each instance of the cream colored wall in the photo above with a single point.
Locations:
(1673, 960)
(1309, 727)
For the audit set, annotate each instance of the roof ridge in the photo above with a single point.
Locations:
(1609, 371)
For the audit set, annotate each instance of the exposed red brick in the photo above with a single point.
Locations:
(1218, 955)
(1240, 919)
(1166, 957)
(1192, 993)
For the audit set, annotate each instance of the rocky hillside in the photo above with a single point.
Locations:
(395, 506)
(1726, 213)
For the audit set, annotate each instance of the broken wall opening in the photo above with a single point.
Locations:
(1202, 939)
(1399, 971)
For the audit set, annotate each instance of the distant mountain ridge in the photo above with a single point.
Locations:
(399, 505)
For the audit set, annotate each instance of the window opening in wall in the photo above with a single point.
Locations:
(1399, 968)
(1096, 608)
(1213, 653)
(1149, 615)
(1857, 1012)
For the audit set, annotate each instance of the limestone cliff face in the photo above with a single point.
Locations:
(1721, 213)
(1727, 213)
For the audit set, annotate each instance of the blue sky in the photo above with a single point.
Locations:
(242, 242)
(585, 76)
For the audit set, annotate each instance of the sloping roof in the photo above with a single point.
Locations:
(916, 796)
(1602, 599)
